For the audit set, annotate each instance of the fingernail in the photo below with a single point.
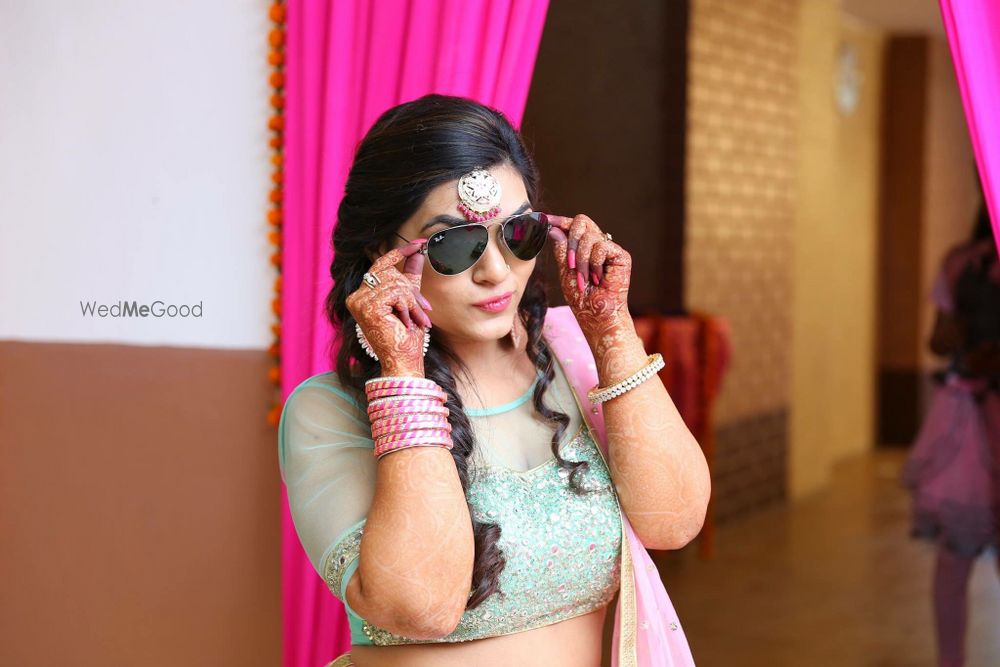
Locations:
(571, 258)
(579, 281)
(424, 302)
(594, 278)
(416, 241)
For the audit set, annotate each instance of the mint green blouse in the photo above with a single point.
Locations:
(562, 550)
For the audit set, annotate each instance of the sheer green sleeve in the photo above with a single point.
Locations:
(325, 453)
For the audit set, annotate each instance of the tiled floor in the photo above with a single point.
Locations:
(834, 581)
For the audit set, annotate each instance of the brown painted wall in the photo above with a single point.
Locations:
(900, 237)
(139, 507)
(928, 203)
(605, 120)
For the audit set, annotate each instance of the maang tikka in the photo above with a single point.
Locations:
(479, 192)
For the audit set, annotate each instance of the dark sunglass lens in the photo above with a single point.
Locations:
(452, 251)
(525, 234)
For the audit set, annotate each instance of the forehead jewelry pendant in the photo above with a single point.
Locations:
(479, 193)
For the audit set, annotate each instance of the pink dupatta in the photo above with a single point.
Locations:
(647, 631)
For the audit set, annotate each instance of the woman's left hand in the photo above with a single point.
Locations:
(594, 273)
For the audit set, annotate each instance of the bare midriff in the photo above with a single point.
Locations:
(575, 642)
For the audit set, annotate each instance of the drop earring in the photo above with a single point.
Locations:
(517, 332)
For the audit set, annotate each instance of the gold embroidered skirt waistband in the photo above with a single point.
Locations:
(342, 661)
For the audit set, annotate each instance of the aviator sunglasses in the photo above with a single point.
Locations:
(456, 249)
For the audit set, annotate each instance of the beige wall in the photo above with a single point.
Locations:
(740, 198)
(853, 294)
(782, 201)
(834, 276)
(740, 190)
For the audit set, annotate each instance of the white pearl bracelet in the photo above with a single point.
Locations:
(653, 363)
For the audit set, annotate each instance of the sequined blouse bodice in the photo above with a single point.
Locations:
(562, 550)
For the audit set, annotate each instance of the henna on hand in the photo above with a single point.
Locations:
(594, 274)
(392, 315)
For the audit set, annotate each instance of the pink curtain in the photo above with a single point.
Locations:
(347, 62)
(973, 28)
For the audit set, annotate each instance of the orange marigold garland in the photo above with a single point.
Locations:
(276, 125)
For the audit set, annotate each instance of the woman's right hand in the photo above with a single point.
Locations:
(392, 315)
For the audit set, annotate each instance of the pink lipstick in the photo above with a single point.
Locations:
(496, 304)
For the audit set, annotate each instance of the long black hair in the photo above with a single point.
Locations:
(411, 149)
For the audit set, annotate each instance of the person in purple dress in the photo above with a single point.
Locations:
(953, 469)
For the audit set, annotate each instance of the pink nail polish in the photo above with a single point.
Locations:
(571, 258)
(579, 281)
(594, 278)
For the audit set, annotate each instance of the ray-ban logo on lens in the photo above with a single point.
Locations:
(136, 309)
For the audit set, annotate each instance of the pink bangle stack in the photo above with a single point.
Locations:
(407, 412)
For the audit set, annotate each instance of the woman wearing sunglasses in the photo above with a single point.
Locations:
(481, 474)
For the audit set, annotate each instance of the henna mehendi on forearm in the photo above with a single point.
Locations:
(658, 467)
(417, 550)
(415, 565)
